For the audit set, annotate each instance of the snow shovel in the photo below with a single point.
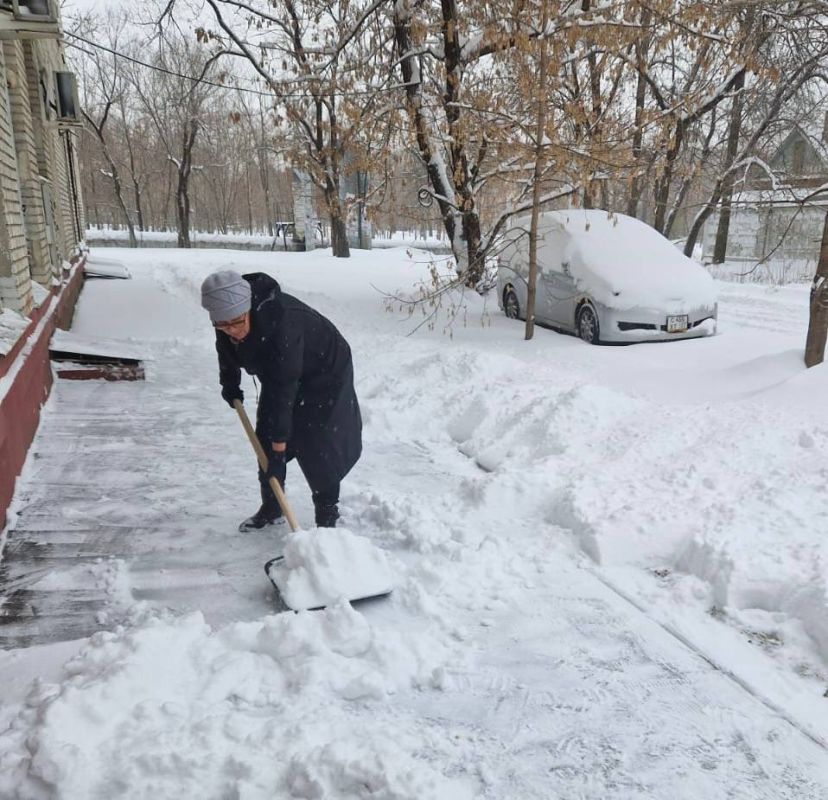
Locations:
(262, 457)
(323, 567)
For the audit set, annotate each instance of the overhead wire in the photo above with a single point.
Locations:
(232, 87)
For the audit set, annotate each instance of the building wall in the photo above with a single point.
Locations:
(40, 206)
(28, 140)
(781, 233)
(15, 279)
(39, 232)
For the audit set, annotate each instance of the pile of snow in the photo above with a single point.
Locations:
(322, 566)
(39, 294)
(106, 234)
(12, 327)
(170, 708)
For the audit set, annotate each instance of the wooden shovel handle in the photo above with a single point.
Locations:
(262, 457)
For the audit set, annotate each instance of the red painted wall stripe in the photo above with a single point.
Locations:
(27, 372)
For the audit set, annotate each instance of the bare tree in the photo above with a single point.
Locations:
(818, 321)
(175, 95)
(802, 62)
(321, 59)
(104, 85)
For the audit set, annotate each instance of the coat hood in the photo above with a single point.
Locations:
(265, 290)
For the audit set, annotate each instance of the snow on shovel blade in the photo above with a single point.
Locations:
(321, 566)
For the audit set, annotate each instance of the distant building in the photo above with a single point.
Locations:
(41, 218)
(781, 215)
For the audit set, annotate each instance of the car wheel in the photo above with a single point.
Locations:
(587, 324)
(511, 304)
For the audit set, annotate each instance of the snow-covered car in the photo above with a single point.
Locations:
(606, 278)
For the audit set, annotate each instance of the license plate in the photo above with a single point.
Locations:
(677, 324)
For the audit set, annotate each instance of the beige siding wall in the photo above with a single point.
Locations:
(27, 140)
(39, 202)
(65, 223)
(15, 283)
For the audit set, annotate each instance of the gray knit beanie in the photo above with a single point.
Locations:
(226, 295)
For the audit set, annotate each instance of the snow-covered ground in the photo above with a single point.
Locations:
(381, 240)
(611, 564)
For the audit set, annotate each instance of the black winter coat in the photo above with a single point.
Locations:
(306, 374)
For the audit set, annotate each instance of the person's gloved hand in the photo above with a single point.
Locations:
(231, 393)
(277, 466)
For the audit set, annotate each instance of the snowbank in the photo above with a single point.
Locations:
(12, 326)
(286, 706)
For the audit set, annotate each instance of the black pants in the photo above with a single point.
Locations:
(325, 501)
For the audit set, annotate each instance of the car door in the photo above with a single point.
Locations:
(558, 287)
(566, 294)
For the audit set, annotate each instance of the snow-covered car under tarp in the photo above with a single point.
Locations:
(606, 278)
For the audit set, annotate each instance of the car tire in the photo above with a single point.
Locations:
(586, 324)
(511, 304)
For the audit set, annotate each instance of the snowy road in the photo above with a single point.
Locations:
(523, 491)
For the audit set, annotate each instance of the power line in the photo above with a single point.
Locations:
(156, 68)
(173, 73)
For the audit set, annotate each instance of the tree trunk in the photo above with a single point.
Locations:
(540, 133)
(474, 251)
(641, 52)
(165, 214)
(182, 194)
(116, 183)
(136, 189)
(451, 183)
(720, 247)
(818, 322)
(665, 180)
(339, 233)
(119, 196)
(182, 207)
(249, 200)
(698, 222)
(264, 177)
(686, 183)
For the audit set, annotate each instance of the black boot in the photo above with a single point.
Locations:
(268, 514)
(326, 507)
(326, 516)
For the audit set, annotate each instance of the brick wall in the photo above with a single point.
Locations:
(26, 380)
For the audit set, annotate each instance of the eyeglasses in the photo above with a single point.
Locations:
(238, 322)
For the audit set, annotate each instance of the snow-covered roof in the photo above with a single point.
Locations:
(783, 195)
(815, 131)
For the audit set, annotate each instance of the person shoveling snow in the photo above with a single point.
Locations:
(308, 409)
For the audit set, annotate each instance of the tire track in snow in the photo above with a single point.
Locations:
(710, 659)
